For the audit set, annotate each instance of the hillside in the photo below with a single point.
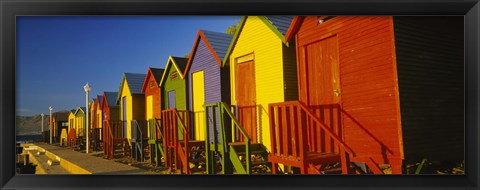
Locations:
(31, 125)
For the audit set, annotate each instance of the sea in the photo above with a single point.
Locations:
(28, 138)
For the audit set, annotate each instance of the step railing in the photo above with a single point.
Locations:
(223, 109)
(113, 130)
(292, 134)
(176, 124)
(155, 137)
(139, 132)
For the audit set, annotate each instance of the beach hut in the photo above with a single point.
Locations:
(174, 84)
(92, 120)
(98, 117)
(208, 81)
(132, 111)
(263, 70)
(373, 91)
(110, 107)
(80, 125)
(60, 121)
(72, 135)
(131, 100)
(153, 104)
(114, 141)
(175, 115)
(151, 89)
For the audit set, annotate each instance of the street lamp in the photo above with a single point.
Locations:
(42, 121)
(51, 127)
(87, 89)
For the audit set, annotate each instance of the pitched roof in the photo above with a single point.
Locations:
(216, 42)
(80, 109)
(179, 63)
(157, 76)
(281, 22)
(134, 81)
(277, 24)
(111, 98)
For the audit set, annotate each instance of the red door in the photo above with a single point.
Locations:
(323, 90)
(246, 98)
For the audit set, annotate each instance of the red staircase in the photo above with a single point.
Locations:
(113, 137)
(301, 139)
(180, 149)
(311, 137)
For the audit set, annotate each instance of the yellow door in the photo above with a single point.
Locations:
(198, 95)
(149, 111)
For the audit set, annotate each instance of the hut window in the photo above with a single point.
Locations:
(64, 124)
(152, 84)
(174, 75)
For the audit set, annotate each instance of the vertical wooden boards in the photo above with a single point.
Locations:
(367, 83)
(246, 98)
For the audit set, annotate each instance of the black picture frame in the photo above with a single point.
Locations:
(9, 9)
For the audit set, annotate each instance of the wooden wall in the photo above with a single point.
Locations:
(369, 95)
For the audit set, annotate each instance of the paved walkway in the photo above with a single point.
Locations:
(91, 163)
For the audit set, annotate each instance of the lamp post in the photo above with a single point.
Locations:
(51, 127)
(87, 89)
(42, 121)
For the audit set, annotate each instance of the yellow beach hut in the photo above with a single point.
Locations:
(262, 71)
(131, 101)
(72, 135)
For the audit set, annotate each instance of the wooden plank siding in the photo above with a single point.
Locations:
(368, 92)
(80, 122)
(178, 85)
(430, 66)
(135, 101)
(151, 88)
(216, 77)
(270, 69)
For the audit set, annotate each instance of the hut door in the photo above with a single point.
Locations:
(246, 98)
(124, 116)
(171, 99)
(323, 88)
(198, 97)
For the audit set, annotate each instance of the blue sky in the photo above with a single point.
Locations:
(57, 56)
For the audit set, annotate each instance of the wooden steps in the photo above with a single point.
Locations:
(259, 163)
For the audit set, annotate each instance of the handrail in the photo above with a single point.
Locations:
(322, 126)
(223, 108)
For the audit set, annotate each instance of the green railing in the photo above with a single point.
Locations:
(155, 137)
(223, 109)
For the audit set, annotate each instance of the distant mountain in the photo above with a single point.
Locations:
(31, 125)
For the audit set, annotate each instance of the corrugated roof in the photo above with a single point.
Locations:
(282, 23)
(157, 74)
(135, 82)
(219, 42)
(111, 98)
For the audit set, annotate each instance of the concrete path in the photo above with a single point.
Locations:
(80, 163)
